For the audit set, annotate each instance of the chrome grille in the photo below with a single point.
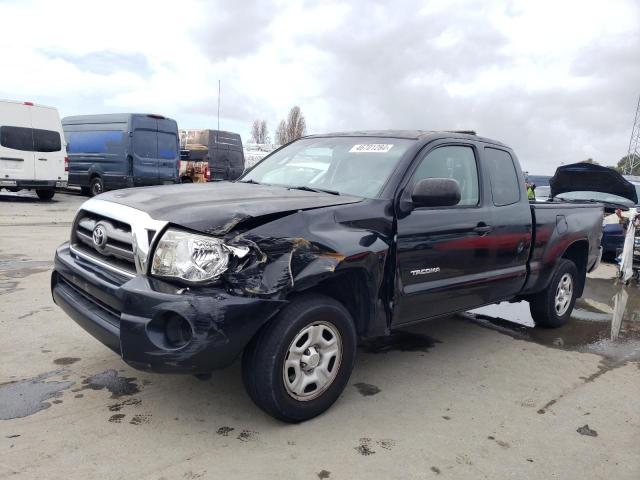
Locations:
(117, 249)
(124, 242)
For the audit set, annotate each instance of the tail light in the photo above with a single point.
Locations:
(29, 104)
(66, 164)
(179, 166)
(207, 173)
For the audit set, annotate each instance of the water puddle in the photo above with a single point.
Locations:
(26, 397)
(17, 267)
(109, 379)
(605, 321)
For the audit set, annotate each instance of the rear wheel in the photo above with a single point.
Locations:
(297, 366)
(45, 194)
(552, 307)
(96, 187)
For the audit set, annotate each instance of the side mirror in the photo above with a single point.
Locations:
(436, 192)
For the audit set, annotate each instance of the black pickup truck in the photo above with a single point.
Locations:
(327, 240)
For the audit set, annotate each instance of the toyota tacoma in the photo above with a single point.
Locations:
(328, 240)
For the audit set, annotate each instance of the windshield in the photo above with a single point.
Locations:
(350, 165)
(596, 196)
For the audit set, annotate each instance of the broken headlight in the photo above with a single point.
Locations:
(190, 257)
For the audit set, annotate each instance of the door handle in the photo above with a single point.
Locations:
(43, 159)
(483, 229)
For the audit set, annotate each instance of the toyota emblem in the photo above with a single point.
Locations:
(99, 236)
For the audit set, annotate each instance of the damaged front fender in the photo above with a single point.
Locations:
(279, 264)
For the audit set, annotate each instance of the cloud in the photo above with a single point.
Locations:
(104, 62)
(558, 81)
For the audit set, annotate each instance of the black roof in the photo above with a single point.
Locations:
(410, 134)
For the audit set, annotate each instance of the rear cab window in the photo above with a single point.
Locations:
(505, 182)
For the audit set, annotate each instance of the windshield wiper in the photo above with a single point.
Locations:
(317, 190)
(249, 181)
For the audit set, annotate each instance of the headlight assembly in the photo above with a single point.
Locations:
(191, 257)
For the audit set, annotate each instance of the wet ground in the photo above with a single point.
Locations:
(605, 321)
(479, 395)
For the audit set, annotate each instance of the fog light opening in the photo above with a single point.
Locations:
(177, 331)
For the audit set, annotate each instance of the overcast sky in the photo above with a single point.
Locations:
(557, 80)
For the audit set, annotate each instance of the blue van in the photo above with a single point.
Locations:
(121, 150)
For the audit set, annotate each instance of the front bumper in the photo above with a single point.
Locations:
(124, 314)
(32, 184)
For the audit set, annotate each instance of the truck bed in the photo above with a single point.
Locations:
(557, 226)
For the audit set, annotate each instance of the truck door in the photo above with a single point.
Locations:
(144, 154)
(48, 145)
(442, 255)
(16, 143)
(510, 236)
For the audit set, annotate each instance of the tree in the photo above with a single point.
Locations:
(281, 133)
(255, 131)
(296, 124)
(264, 132)
(294, 127)
(259, 132)
(629, 164)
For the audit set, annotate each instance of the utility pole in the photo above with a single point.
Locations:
(218, 130)
(633, 154)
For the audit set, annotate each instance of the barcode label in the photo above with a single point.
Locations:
(371, 148)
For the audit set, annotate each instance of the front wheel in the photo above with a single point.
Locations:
(297, 366)
(45, 194)
(552, 307)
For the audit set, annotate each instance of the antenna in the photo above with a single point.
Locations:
(633, 154)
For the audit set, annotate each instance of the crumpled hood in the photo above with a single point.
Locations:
(587, 177)
(218, 207)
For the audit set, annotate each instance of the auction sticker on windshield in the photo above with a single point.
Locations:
(371, 148)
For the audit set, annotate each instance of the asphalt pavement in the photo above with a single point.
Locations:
(477, 395)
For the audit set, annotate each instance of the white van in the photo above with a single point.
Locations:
(32, 148)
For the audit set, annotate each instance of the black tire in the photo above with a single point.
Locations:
(186, 180)
(85, 191)
(263, 359)
(96, 186)
(45, 194)
(543, 305)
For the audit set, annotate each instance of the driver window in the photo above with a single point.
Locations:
(456, 162)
